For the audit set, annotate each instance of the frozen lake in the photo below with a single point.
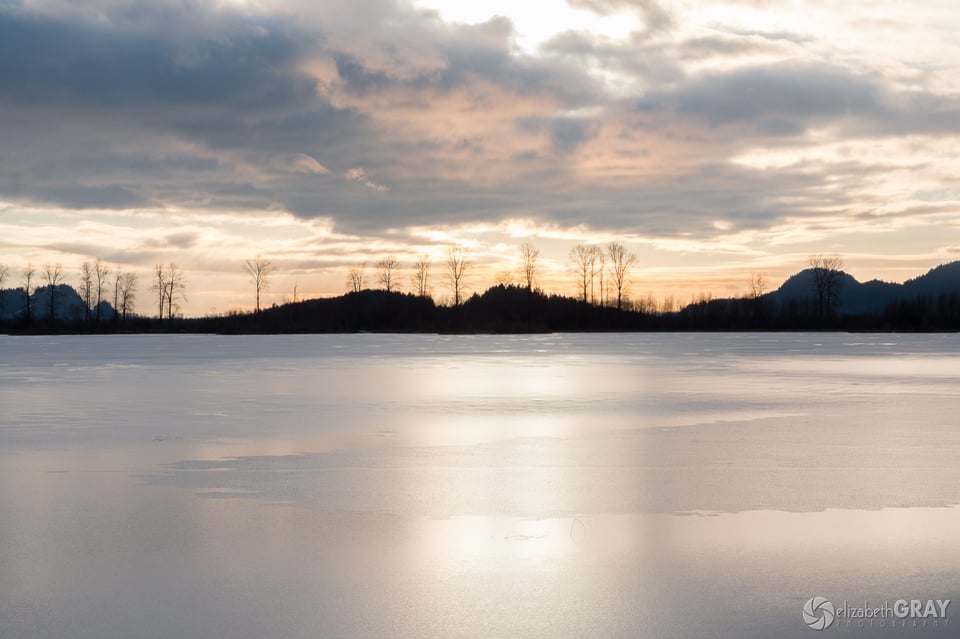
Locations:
(560, 486)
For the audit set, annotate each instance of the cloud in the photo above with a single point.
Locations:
(786, 92)
(359, 176)
(139, 106)
(567, 133)
(655, 16)
(789, 99)
(179, 239)
(297, 163)
(662, 63)
(90, 197)
(47, 59)
(314, 109)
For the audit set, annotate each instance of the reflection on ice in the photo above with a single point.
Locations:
(870, 461)
(472, 486)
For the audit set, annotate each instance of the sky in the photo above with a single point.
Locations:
(712, 138)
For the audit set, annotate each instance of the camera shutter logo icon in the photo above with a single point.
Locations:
(818, 613)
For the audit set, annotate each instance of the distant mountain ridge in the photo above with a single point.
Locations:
(68, 305)
(873, 296)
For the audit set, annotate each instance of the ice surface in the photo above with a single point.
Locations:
(472, 486)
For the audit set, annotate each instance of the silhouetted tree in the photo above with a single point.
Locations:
(503, 278)
(100, 273)
(127, 293)
(259, 271)
(421, 275)
(583, 263)
(458, 261)
(86, 288)
(53, 275)
(175, 286)
(116, 294)
(355, 277)
(621, 261)
(757, 283)
(160, 286)
(826, 270)
(4, 272)
(602, 272)
(529, 265)
(386, 266)
(27, 283)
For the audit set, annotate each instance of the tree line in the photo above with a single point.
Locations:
(602, 275)
(610, 264)
(97, 282)
(103, 289)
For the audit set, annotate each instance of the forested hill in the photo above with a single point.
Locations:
(872, 297)
(499, 309)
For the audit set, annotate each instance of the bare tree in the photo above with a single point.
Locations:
(53, 276)
(503, 278)
(386, 266)
(355, 277)
(27, 283)
(621, 261)
(86, 288)
(4, 272)
(100, 272)
(175, 286)
(826, 270)
(758, 285)
(118, 275)
(669, 304)
(421, 275)
(160, 286)
(583, 263)
(458, 262)
(127, 293)
(259, 271)
(602, 271)
(529, 265)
